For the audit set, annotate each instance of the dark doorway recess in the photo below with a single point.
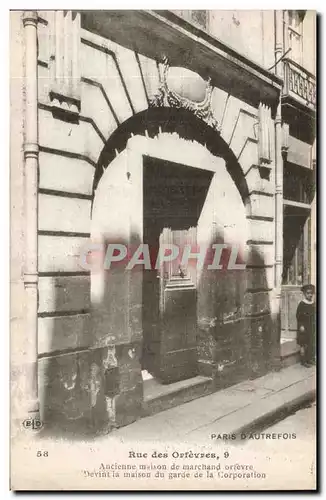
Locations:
(173, 198)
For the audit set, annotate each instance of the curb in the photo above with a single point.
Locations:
(277, 414)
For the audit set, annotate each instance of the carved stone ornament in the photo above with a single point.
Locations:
(167, 96)
(265, 136)
(65, 91)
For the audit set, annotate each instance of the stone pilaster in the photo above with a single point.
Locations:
(65, 64)
(265, 136)
(31, 149)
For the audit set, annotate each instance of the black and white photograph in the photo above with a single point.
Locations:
(163, 250)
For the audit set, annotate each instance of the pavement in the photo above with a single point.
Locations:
(155, 448)
(241, 408)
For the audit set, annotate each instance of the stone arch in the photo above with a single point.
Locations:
(218, 321)
(118, 301)
(152, 121)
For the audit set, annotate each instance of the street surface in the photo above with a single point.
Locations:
(302, 422)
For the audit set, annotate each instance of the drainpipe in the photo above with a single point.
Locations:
(31, 151)
(278, 204)
(313, 217)
(278, 173)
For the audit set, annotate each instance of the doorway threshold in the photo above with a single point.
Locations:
(290, 352)
(159, 397)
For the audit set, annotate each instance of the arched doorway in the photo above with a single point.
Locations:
(154, 121)
(168, 189)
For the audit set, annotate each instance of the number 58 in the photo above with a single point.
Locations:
(42, 454)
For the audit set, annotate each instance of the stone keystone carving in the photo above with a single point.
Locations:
(181, 88)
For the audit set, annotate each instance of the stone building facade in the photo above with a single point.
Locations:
(150, 126)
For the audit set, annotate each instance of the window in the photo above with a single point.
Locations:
(295, 18)
(298, 191)
(200, 17)
(295, 247)
(298, 183)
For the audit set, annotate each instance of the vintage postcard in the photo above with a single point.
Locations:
(163, 249)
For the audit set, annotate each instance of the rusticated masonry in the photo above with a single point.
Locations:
(84, 355)
(65, 63)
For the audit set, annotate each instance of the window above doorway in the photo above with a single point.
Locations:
(298, 183)
(200, 17)
(295, 34)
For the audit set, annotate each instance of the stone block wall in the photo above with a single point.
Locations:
(19, 370)
(75, 364)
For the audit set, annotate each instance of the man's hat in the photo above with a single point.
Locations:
(308, 288)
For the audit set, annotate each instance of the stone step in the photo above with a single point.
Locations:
(290, 353)
(159, 397)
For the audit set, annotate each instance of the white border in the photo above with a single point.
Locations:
(318, 5)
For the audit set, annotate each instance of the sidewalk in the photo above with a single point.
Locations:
(240, 408)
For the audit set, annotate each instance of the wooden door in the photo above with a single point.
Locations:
(178, 351)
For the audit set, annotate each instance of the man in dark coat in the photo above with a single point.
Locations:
(306, 318)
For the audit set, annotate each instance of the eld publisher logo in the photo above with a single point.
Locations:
(34, 424)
